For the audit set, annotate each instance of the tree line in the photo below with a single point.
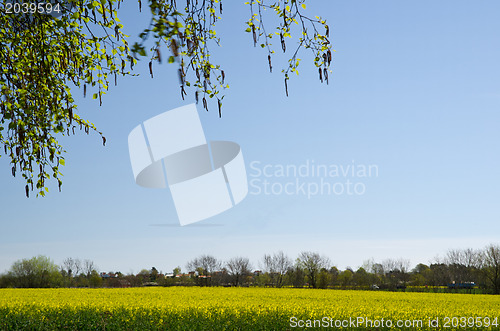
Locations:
(464, 270)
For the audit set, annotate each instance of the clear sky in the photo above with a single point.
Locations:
(415, 92)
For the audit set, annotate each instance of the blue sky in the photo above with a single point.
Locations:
(414, 91)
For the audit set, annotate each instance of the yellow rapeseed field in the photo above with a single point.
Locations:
(194, 308)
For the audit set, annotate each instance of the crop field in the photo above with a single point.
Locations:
(194, 308)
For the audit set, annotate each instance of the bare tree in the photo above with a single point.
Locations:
(277, 265)
(72, 266)
(68, 266)
(471, 258)
(77, 263)
(454, 256)
(238, 268)
(396, 271)
(403, 266)
(463, 264)
(491, 266)
(312, 263)
(204, 265)
(388, 265)
(88, 267)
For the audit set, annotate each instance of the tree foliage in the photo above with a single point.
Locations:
(314, 34)
(39, 271)
(42, 58)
